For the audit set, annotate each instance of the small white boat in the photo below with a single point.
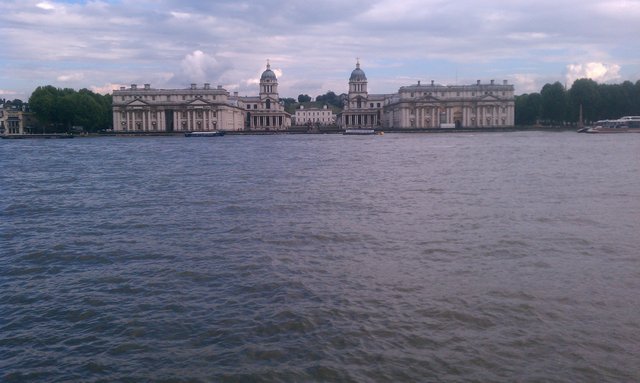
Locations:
(359, 132)
(214, 133)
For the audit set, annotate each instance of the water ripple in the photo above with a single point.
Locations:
(453, 257)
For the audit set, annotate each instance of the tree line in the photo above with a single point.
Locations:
(61, 109)
(555, 105)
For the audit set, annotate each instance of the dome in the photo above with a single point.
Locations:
(268, 75)
(358, 74)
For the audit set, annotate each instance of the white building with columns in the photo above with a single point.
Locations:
(314, 116)
(175, 110)
(437, 106)
(265, 112)
(361, 110)
(418, 106)
(421, 106)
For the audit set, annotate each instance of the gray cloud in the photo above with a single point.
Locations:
(314, 45)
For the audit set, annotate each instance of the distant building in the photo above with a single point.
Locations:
(415, 106)
(361, 110)
(314, 116)
(440, 106)
(265, 112)
(428, 106)
(175, 110)
(16, 120)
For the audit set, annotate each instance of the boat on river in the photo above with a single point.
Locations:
(359, 132)
(627, 124)
(213, 133)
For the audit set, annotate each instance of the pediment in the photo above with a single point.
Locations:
(197, 102)
(429, 98)
(489, 97)
(137, 102)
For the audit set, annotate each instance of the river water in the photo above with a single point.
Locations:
(404, 257)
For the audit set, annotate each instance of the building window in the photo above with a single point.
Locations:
(248, 106)
(268, 104)
(371, 105)
(255, 106)
(378, 105)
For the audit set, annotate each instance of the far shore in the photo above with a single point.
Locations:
(303, 130)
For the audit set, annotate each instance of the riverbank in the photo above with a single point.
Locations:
(298, 130)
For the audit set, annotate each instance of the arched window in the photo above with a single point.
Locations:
(268, 104)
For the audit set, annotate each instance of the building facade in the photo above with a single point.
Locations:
(417, 106)
(265, 112)
(314, 116)
(16, 120)
(175, 110)
(451, 106)
(361, 109)
(421, 106)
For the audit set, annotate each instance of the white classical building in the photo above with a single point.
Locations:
(422, 106)
(417, 106)
(361, 110)
(175, 110)
(314, 116)
(440, 106)
(265, 112)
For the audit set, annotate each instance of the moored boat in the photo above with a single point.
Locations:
(214, 133)
(359, 132)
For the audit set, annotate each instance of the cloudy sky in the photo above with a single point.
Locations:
(313, 46)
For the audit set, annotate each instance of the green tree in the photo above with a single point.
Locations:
(304, 98)
(584, 92)
(42, 103)
(330, 98)
(289, 104)
(554, 103)
(60, 109)
(528, 108)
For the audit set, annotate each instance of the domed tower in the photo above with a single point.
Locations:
(268, 84)
(358, 82)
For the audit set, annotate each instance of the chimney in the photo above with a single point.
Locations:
(219, 86)
(478, 83)
(122, 88)
(504, 82)
(431, 82)
(134, 86)
(207, 85)
(147, 86)
(492, 82)
(418, 82)
(193, 86)
(235, 94)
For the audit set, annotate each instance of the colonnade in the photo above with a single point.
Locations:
(155, 120)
